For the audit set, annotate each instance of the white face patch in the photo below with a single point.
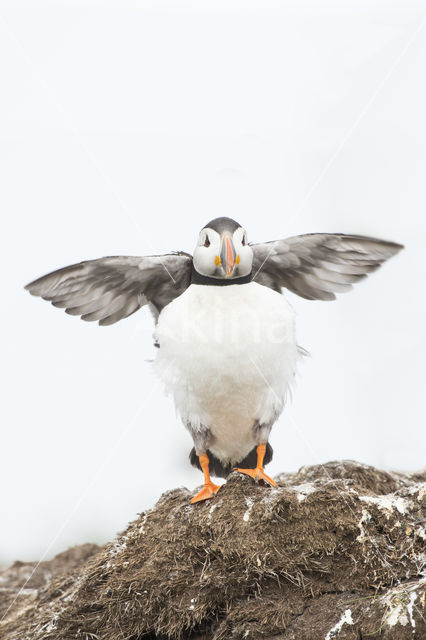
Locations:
(244, 251)
(207, 253)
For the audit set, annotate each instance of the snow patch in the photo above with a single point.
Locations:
(212, 508)
(389, 503)
(400, 604)
(142, 527)
(422, 491)
(421, 532)
(419, 489)
(397, 614)
(365, 517)
(410, 606)
(249, 503)
(304, 490)
(334, 631)
(118, 547)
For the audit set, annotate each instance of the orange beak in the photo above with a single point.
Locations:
(227, 255)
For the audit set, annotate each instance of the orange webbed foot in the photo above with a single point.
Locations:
(258, 474)
(208, 491)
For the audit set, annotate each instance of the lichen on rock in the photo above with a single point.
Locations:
(335, 551)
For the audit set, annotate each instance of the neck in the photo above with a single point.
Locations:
(198, 278)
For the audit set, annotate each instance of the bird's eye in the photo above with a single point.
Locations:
(207, 242)
(243, 241)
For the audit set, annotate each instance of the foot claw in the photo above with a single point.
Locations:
(258, 474)
(208, 491)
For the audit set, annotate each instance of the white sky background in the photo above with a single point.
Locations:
(124, 128)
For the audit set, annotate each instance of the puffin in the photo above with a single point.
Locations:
(225, 333)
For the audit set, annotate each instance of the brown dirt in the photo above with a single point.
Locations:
(336, 551)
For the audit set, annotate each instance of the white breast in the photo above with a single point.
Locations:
(228, 355)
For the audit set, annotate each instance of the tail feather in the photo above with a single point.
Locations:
(222, 470)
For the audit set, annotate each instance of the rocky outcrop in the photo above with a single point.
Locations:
(335, 551)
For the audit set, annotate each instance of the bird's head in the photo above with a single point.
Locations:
(223, 251)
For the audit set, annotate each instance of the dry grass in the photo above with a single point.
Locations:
(254, 562)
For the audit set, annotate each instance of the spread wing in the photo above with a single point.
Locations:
(109, 289)
(316, 266)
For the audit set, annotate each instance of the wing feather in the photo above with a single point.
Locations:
(112, 288)
(316, 266)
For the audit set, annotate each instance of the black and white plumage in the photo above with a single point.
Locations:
(110, 289)
(316, 266)
(228, 350)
